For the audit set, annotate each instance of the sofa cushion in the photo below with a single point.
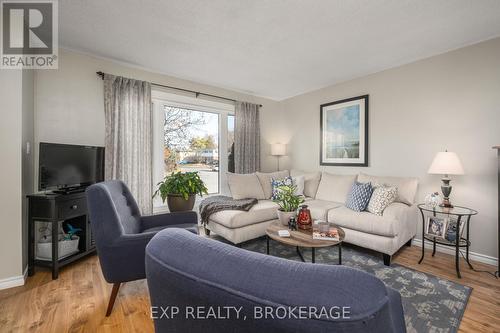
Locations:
(382, 197)
(299, 182)
(320, 208)
(363, 221)
(407, 186)
(311, 181)
(264, 210)
(334, 187)
(245, 186)
(265, 180)
(359, 196)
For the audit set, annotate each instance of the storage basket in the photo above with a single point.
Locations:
(66, 248)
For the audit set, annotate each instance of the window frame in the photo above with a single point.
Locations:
(223, 110)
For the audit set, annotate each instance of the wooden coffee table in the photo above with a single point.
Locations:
(302, 238)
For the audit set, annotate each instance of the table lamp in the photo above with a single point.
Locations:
(446, 163)
(278, 149)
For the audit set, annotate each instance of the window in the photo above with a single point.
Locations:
(192, 135)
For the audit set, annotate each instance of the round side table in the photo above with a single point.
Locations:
(463, 215)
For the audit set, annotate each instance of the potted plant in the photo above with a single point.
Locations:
(180, 189)
(288, 202)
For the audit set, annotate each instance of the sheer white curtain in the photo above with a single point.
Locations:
(128, 112)
(246, 138)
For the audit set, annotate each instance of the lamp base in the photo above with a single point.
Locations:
(446, 189)
(446, 203)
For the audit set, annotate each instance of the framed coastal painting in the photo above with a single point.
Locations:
(344, 132)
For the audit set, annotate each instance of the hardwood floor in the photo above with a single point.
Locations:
(77, 301)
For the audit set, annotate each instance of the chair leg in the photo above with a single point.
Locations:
(387, 260)
(112, 298)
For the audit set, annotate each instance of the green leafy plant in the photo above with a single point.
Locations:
(178, 183)
(286, 198)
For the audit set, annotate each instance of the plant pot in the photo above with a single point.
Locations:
(177, 203)
(284, 217)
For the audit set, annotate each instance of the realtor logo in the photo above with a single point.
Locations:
(29, 34)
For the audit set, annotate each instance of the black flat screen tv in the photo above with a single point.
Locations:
(63, 166)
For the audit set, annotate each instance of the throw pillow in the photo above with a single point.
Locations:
(276, 183)
(382, 197)
(299, 182)
(265, 180)
(359, 196)
(407, 186)
(245, 186)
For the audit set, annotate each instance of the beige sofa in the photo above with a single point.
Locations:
(325, 194)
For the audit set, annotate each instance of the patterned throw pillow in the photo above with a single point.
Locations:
(359, 196)
(382, 197)
(275, 183)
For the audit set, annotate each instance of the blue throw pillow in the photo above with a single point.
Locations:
(275, 183)
(359, 196)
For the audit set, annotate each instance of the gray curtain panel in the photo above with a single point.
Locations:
(128, 112)
(246, 138)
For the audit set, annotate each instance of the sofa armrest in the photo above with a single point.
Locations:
(151, 221)
(405, 215)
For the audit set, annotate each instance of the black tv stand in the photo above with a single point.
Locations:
(58, 209)
(70, 190)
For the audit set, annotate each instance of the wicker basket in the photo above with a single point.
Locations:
(67, 247)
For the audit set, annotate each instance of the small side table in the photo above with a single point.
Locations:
(463, 215)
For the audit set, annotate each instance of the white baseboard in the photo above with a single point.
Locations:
(14, 281)
(448, 250)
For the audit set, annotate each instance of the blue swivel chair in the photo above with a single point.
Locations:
(121, 233)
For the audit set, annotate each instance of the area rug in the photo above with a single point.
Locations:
(430, 304)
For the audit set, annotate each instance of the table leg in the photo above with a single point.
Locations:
(340, 253)
(457, 248)
(267, 249)
(300, 254)
(467, 240)
(423, 236)
(55, 249)
(313, 255)
(434, 246)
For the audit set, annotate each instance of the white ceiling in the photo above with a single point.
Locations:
(273, 48)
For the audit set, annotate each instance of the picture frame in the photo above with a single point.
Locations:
(436, 227)
(451, 231)
(344, 132)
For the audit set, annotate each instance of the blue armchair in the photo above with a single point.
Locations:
(121, 233)
(252, 292)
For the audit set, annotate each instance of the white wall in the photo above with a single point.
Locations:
(27, 153)
(10, 176)
(69, 105)
(450, 101)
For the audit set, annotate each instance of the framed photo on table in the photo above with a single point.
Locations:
(436, 227)
(344, 132)
(451, 229)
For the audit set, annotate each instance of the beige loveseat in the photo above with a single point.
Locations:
(325, 194)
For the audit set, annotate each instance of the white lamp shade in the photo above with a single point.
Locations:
(278, 149)
(446, 163)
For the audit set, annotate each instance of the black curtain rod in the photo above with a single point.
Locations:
(197, 93)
